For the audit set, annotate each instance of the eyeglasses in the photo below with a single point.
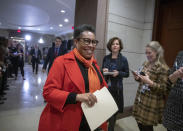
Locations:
(87, 41)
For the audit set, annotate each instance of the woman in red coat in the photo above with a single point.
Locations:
(72, 79)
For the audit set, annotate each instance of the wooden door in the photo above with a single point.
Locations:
(169, 28)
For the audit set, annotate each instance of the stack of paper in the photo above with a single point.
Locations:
(102, 110)
(108, 73)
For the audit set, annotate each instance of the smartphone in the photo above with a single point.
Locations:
(142, 73)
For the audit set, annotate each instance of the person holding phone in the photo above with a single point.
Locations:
(115, 68)
(152, 77)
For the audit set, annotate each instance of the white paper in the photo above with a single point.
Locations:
(102, 110)
(108, 73)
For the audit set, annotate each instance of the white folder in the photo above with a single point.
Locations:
(102, 110)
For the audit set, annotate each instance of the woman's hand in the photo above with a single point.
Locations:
(177, 74)
(145, 79)
(136, 76)
(89, 98)
(105, 69)
(116, 73)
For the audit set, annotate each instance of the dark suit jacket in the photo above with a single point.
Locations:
(33, 54)
(51, 56)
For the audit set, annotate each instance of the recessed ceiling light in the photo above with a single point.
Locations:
(66, 20)
(41, 40)
(38, 29)
(19, 28)
(60, 25)
(62, 11)
(51, 28)
(28, 37)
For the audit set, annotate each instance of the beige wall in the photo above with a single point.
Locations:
(132, 22)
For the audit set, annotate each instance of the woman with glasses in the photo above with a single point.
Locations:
(72, 79)
(115, 68)
(173, 114)
(152, 77)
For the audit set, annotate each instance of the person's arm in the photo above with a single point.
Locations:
(159, 84)
(71, 99)
(40, 54)
(175, 75)
(53, 91)
(32, 52)
(135, 75)
(125, 71)
(104, 65)
(47, 59)
(88, 98)
(105, 68)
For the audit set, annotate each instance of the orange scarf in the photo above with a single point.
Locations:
(94, 82)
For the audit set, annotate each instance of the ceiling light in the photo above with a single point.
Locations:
(28, 37)
(36, 97)
(19, 28)
(51, 28)
(38, 29)
(41, 40)
(62, 11)
(66, 20)
(60, 25)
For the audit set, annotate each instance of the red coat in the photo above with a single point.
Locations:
(64, 77)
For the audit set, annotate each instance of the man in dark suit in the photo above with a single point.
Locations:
(56, 50)
(36, 56)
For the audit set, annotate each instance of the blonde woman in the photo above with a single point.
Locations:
(152, 78)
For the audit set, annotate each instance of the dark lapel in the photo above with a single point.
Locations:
(53, 52)
(74, 72)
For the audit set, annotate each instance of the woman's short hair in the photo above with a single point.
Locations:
(80, 29)
(110, 42)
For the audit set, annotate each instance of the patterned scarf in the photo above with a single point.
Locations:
(94, 82)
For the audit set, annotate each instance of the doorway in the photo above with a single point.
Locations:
(168, 27)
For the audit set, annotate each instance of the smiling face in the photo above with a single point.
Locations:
(115, 46)
(86, 51)
(151, 55)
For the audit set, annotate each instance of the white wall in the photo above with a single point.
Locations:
(131, 20)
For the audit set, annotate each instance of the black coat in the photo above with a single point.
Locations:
(33, 54)
(173, 114)
(116, 87)
(51, 56)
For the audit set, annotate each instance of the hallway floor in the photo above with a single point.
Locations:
(24, 104)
